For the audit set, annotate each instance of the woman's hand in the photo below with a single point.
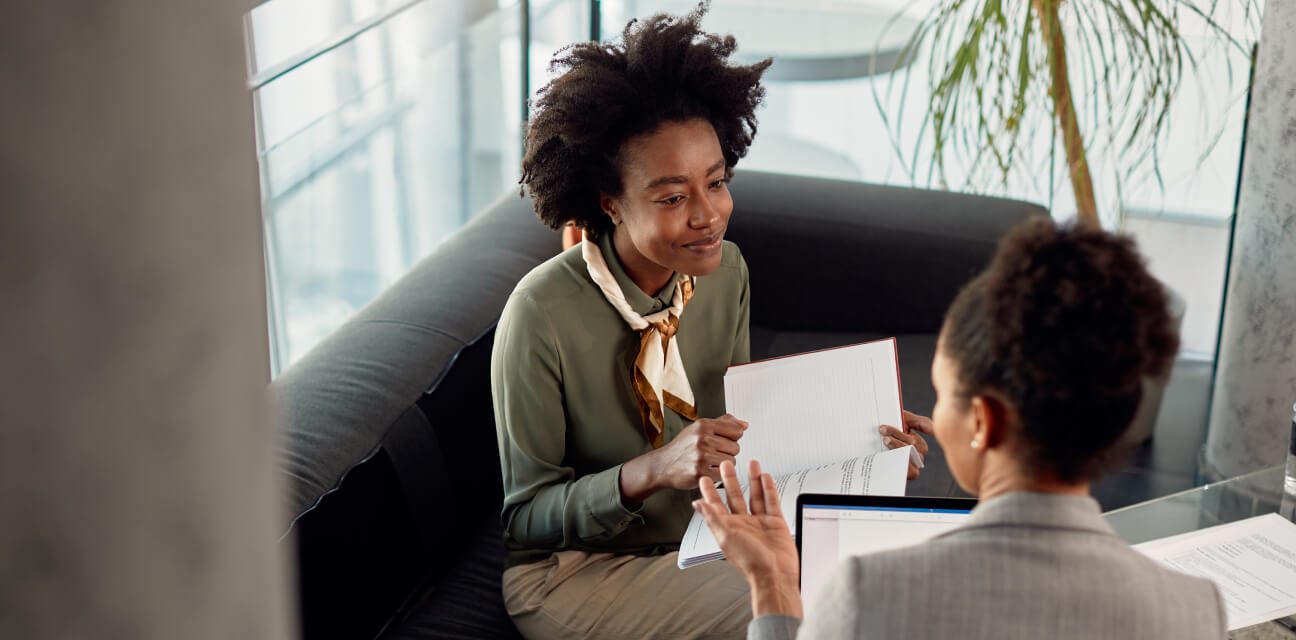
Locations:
(696, 452)
(914, 424)
(757, 541)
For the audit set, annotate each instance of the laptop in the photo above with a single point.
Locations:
(832, 527)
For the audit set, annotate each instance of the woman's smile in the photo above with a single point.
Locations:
(706, 245)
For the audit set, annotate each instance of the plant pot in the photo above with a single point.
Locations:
(1145, 418)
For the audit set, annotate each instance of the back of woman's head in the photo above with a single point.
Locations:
(1064, 325)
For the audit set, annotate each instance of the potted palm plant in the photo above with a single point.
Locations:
(1003, 71)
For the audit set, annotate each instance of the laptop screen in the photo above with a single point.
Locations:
(833, 527)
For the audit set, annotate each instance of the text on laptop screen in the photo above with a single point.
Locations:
(831, 533)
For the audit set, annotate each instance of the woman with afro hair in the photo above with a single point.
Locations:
(608, 363)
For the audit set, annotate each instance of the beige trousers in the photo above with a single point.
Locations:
(575, 594)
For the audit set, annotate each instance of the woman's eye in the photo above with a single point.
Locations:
(673, 200)
(718, 183)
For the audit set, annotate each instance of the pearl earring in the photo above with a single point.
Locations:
(976, 444)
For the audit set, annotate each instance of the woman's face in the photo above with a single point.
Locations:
(675, 206)
(955, 422)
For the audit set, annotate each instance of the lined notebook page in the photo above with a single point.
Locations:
(815, 408)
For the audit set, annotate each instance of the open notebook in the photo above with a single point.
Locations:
(813, 424)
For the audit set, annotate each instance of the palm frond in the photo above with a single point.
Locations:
(990, 82)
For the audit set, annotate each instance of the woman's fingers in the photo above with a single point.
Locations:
(711, 466)
(711, 506)
(770, 490)
(712, 514)
(894, 438)
(720, 444)
(733, 490)
(915, 422)
(727, 429)
(709, 494)
(920, 443)
(757, 498)
(713, 473)
(729, 417)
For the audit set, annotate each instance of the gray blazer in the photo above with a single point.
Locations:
(1025, 565)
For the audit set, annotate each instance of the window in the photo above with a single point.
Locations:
(382, 125)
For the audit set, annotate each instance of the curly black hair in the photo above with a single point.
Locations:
(664, 69)
(1066, 323)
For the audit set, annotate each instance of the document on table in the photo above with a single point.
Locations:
(882, 474)
(1252, 562)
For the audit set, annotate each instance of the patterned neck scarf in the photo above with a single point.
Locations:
(659, 377)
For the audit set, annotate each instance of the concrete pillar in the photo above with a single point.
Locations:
(138, 497)
(1256, 379)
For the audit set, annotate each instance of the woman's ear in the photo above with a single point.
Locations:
(991, 417)
(609, 206)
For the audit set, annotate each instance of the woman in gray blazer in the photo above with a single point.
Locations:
(1038, 372)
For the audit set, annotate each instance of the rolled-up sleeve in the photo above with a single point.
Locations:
(545, 504)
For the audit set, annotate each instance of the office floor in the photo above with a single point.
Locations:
(1165, 464)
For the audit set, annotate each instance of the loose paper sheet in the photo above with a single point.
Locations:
(1252, 562)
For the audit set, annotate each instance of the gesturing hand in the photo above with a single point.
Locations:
(697, 452)
(756, 541)
(914, 425)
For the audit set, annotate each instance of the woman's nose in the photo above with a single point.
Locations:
(705, 214)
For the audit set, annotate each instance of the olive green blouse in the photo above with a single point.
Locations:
(566, 414)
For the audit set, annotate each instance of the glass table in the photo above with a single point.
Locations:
(1221, 502)
(1230, 500)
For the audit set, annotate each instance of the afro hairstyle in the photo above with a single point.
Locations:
(663, 69)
